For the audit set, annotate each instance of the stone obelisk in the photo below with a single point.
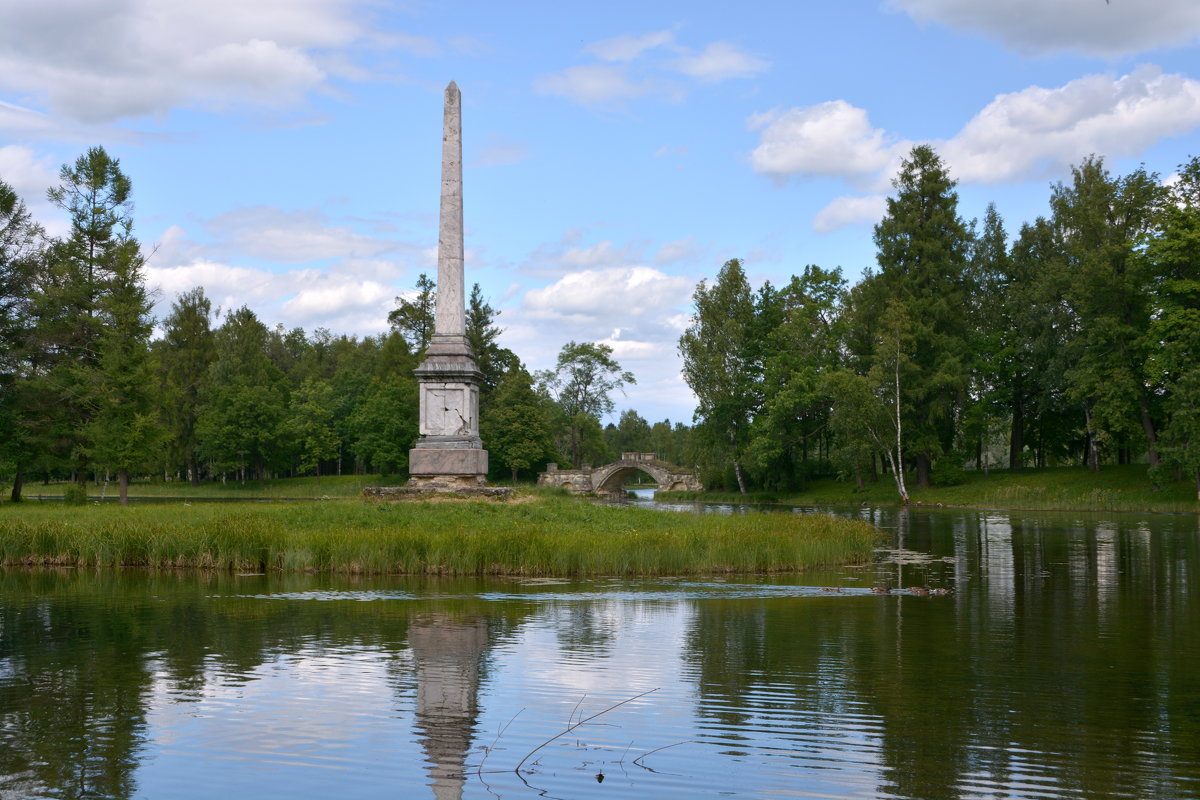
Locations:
(449, 454)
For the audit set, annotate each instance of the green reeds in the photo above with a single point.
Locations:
(546, 536)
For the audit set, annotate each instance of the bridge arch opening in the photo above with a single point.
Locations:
(614, 482)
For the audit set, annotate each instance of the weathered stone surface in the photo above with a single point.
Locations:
(450, 313)
(610, 478)
(449, 452)
(390, 493)
(449, 461)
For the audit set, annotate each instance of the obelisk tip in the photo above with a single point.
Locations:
(452, 88)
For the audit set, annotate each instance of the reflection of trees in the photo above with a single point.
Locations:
(71, 714)
(81, 655)
(1044, 670)
(585, 627)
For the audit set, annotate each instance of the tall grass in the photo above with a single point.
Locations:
(547, 536)
(274, 488)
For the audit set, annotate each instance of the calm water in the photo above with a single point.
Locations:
(1066, 665)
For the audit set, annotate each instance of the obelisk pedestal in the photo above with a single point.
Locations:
(449, 454)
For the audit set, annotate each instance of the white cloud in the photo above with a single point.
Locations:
(27, 173)
(1033, 134)
(629, 70)
(850, 210)
(667, 150)
(592, 85)
(338, 296)
(98, 62)
(352, 293)
(1037, 133)
(602, 295)
(630, 350)
(648, 305)
(227, 286)
(627, 47)
(833, 139)
(598, 255)
(499, 151)
(1119, 27)
(720, 61)
(294, 236)
(679, 250)
(305, 298)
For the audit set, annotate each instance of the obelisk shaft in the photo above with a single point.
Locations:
(449, 454)
(450, 318)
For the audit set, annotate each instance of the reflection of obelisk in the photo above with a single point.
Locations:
(447, 653)
(449, 454)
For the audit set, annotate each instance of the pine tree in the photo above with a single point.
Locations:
(413, 318)
(923, 248)
(93, 321)
(21, 246)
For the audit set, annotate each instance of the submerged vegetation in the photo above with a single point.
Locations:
(543, 536)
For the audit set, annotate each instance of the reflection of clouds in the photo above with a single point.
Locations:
(320, 713)
(615, 668)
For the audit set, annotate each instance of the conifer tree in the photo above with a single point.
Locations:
(923, 246)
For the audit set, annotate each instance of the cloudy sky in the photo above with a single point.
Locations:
(285, 153)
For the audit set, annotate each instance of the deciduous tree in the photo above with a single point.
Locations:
(720, 365)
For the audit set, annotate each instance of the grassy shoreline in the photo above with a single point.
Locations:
(1114, 488)
(537, 535)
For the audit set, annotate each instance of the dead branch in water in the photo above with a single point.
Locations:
(572, 726)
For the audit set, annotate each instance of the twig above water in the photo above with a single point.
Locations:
(572, 726)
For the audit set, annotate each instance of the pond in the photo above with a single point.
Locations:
(1065, 664)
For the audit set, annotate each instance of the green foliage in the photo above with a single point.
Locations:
(21, 246)
(412, 317)
(185, 355)
(802, 346)
(923, 254)
(385, 424)
(1172, 367)
(581, 383)
(481, 331)
(948, 471)
(240, 423)
(75, 494)
(1102, 223)
(1077, 339)
(515, 426)
(312, 424)
(721, 364)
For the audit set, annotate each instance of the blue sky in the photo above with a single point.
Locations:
(285, 153)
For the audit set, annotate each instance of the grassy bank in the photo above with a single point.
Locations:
(1114, 488)
(534, 535)
(272, 489)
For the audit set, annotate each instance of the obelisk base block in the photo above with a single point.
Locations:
(447, 469)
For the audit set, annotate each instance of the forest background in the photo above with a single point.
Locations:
(1072, 340)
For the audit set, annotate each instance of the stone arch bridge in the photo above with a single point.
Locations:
(609, 479)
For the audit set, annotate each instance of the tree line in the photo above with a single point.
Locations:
(1076, 340)
(88, 393)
